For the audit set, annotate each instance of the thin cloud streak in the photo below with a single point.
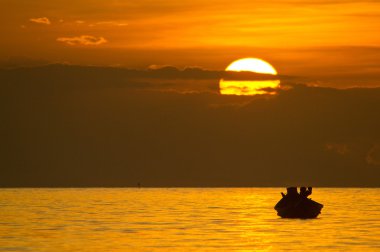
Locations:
(41, 20)
(111, 23)
(86, 40)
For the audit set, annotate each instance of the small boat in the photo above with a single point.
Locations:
(294, 205)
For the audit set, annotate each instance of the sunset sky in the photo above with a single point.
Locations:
(113, 92)
(328, 40)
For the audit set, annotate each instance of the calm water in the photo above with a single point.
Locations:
(184, 220)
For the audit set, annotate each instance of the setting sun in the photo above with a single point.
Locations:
(249, 87)
(252, 65)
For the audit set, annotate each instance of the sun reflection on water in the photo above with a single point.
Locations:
(190, 219)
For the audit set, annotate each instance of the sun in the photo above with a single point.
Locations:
(252, 65)
(250, 87)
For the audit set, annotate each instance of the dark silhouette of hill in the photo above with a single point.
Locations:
(89, 126)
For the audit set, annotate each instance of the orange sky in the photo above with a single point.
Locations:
(322, 38)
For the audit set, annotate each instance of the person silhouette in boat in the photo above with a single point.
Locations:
(305, 192)
(291, 192)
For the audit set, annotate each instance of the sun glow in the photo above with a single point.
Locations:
(248, 87)
(252, 65)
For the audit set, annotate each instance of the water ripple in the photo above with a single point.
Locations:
(183, 220)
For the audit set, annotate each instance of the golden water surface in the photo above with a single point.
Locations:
(225, 219)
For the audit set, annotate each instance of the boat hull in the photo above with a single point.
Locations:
(303, 208)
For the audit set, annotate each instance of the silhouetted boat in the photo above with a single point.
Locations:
(296, 206)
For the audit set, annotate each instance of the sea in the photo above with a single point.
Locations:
(184, 219)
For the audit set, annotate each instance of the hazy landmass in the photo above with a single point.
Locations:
(92, 126)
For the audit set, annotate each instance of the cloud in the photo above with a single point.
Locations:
(109, 23)
(162, 78)
(155, 67)
(113, 23)
(116, 119)
(338, 148)
(86, 40)
(373, 155)
(41, 20)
